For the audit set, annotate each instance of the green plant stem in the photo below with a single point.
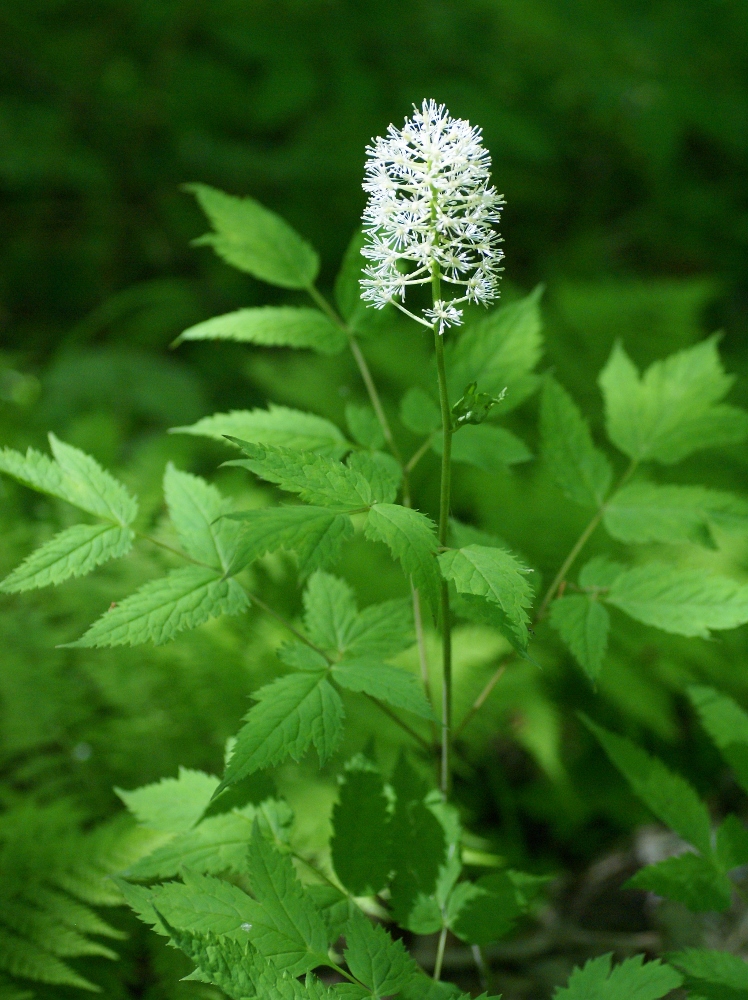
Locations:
(444, 501)
(440, 954)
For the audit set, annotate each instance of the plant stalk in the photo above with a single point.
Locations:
(444, 501)
(440, 953)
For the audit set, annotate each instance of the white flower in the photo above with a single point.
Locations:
(431, 212)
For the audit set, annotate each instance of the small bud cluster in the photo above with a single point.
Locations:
(431, 210)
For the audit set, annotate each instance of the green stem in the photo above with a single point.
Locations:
(440, 954)
(444, 501)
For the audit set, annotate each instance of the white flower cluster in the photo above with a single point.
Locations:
(431, 210)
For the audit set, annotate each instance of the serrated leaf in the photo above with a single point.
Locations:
(411, 538)
(669, 796)
(644, 512)
(499, 351)
(419, 413)
(364, 426)
(731, 845)
(381, 964)
(74, 477)
(333, 906)
(183, 599)
(673, 409)
(273, 326)
(633, 979)
(392, 685)
(360, 845)
(418, 843)
(329, 611)
(172, 805)
(290, 931)
(216, 845)
(291, 713)
(689, 879)
(712, 974)
(235, 967)
(493, 574)
(484, 911)
(486, 446)
(579, 468)
(382, 630)
(583, 624)
(315, 534)
(23, 958)
(317, 480)
(727, 725)
(204, 904)
(278, 425)
(256, 240)
(683, 601)
(197, 510)
(381, 471)
(71, 553)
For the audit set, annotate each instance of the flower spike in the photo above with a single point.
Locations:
(431, 211)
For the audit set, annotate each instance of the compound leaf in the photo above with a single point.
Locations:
(382, 630)
(315, 534)
(411, 538)
(183, 599)
(216, 845)
(256, 240)
(673, 409)
(202, 903)
(683, 601)
(197, 510)
(633, 979)
(579, 468)
(669, 796)
(278, 425)
(172, 805)
(291, 713)
(273, 326)
(392, 685)
(381, 964)
(583, 624)
(73, 552)
(329, 611)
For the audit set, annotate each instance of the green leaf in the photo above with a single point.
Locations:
(732, 844)
(183, 599)
(418, 843)
(23, 958)
(289, 930)
(347, 282)
(333, 906)
(291, 713)
(173, 805)
(360, 845)
(315, 534)
(392, 685)
(690, 879)
(419, 413)
(579, 468)
(633, 979)
(235, 967)
(73, 552)
(600, 573)
(484, 911)
(205, 904)
(375, 959)
(216, 845)
(583, 624)
(486, 446)
(492, 573)
(499, 351)
(644, 512)
(329, 611)
(669, 796)
(381, 470)
(255, 240)
(674, 409)
(712, 974)
(273, 326)
(411, 538)
(364, 426)
(683, 601)
(727, 725)
(278, 425)
(382, 630)
(317, 480)
(74, 477)
(197, 510)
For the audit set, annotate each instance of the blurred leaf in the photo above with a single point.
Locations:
(583, 624)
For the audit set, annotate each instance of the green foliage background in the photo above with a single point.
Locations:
(619, 136)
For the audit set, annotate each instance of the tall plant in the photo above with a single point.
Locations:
(227, 881)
